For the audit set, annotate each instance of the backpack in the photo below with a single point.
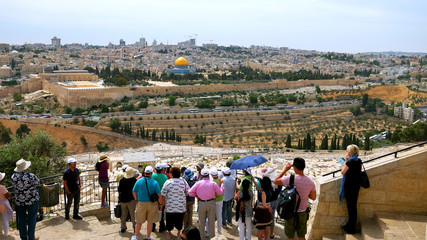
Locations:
(288, 204)
(97, 166)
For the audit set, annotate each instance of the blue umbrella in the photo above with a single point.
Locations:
(248, 161)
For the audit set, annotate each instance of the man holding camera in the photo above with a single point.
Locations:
(147, 194)
(306, 189)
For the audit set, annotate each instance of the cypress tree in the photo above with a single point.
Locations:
(288, 141)
(308, 144)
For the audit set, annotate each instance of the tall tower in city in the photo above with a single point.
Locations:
(56, 42)
(142, 42)
(154, 43)
(122, 43)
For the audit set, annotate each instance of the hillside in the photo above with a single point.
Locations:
(72, 137)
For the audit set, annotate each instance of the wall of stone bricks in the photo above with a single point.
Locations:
(90, 97)
(397, 186)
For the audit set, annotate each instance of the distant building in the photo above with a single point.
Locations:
(56, 42)
(5, 71)
(142, 42)
(404, 112)
(154, 43)
(181, 67)
(210, 45)
(122, 43)
(188, 43)
(4, 47)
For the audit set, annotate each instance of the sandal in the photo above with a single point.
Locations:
(272, 236)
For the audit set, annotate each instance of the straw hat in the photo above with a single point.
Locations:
(2, 176)
(22, 165)
(130, 172)
(103, 157)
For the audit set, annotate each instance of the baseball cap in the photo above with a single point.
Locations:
(125, 167)
(214, 172)
(71, 160)
(226, 171)
(159, 166)
(148, 169)
(205, 172)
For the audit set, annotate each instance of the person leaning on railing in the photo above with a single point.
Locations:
(350, 186)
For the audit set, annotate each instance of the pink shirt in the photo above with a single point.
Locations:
(3, 191)
(206, 189)
(304, 187)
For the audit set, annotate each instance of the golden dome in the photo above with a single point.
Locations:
(181, 61)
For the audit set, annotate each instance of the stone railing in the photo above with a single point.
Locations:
(398, 185)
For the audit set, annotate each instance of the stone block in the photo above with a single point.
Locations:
(402, 185)
(332, 222)
(416, 171)
(371, 196)
(383, 169)
(403, 198)
(322, 208)
(378, 183)
(335, 209)
(412, 160)
(422, 186)
(369, 210)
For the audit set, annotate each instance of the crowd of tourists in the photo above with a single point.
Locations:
(166, 195)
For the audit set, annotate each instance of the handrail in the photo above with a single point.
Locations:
(385, 155)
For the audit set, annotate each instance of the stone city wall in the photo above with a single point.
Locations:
(89, 97)
(397, 186)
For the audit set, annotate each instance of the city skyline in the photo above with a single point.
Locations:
(328, 25)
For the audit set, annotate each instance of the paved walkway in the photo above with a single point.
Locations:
(90, 227)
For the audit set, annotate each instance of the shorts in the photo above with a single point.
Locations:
(104, 184)
(147, 211)
(174, 220)
(302, 226)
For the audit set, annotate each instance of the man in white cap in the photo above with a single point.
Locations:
(72, 187)
(205, 191)
(146, 210)
(218, 200)
(26, 199)
(229, 192)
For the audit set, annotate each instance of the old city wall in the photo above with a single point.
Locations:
(90, 97)
(10, 91)
(397, 186)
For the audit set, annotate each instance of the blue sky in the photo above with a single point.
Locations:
(325, 25)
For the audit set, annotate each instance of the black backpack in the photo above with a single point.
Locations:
(97, 166)
(288, 203)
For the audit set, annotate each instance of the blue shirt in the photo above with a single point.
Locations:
(229, 188)
(141, 190)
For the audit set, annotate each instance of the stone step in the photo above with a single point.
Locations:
(371, 230)
(353, 236)
(417, 223)
(333, 237)
(394, 226)
(95, 210)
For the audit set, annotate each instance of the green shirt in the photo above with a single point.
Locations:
(218, 198)
(160, 178)
(247, 177)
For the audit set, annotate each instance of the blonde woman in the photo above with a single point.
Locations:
(350, 186)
